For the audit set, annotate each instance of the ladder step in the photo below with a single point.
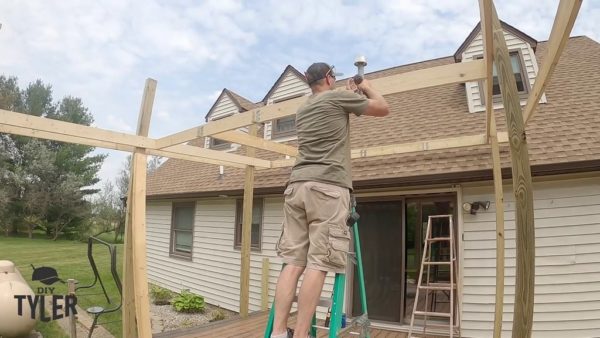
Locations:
(437, 263)
(323, 301)
(438, 286)
(438, 239)
(434, 314)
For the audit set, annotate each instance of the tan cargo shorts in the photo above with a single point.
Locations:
(314, 232)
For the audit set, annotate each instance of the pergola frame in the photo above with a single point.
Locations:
(135, 291)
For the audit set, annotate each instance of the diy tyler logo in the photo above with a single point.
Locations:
(62, 305)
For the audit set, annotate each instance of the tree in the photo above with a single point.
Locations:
(46, 182)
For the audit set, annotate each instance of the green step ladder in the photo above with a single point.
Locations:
(337, 297)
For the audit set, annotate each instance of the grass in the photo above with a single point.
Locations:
(69, 258)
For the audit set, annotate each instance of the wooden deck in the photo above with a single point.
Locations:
(253, 327)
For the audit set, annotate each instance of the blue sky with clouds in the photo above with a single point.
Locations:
(102, 51)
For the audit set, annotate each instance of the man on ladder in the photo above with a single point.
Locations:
(315, 237)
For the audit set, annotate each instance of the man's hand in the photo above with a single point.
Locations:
(350, 85)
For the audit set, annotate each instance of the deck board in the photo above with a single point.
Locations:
(253, 327)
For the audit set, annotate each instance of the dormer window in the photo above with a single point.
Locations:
(217, 144)
(516, 61)
(285, 126)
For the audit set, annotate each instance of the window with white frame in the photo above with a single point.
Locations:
(182, 229)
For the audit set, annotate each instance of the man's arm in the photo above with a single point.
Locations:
(377, 105)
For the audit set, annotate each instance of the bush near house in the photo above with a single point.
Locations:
(160, 296)
(189, 302)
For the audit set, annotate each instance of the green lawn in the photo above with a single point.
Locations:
(70, 260)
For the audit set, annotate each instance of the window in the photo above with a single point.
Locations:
(256, 232)
(215, 143)
(285, 126)
(520, 76)
(182, 229)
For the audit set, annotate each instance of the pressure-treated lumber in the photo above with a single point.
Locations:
(247, 231)
(136, 304)
(264, 294)
(561, 29)
(33, 126)
(230, 136)
(522, 187)
(257, 142)
(485, 10)
(183, 152)
(499, 199)
(11, 118)
(418, 79)
(402, 148)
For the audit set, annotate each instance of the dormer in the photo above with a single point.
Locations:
(227, 104)
(521, 48)
(290, 84)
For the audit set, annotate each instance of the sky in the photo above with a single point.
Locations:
(102, 51)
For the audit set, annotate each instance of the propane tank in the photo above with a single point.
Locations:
(12, 284)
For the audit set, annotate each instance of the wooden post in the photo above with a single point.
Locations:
(247, 230)
(485, 9)
(73, 317)
(265, 284)
(136, 304)
(499, 196)
(522, 187)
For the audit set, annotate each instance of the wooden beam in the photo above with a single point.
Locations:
(418, 79)
(431, 77)
(11, 118)
(264, 295)
(220, 157)
(247, 231)
(190, 155)
(485, 10)
(24, 131)
(33, 126)
(402, 148)
(499, 199)
(522, 188)
(136, 305)
(256, 142)
(563, 24)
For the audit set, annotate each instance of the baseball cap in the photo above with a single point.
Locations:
(318, 71)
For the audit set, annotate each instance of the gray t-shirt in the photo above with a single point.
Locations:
(323, 128)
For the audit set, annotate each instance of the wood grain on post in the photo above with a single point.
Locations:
(522, 188)
(247, 230)
(136, 304)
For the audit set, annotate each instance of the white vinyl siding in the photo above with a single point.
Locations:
(290, 86)
(567, 291)
(214, 271)
(475, 49)
(223, 107)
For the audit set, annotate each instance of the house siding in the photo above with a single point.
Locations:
(214, 271)
(290, 86)
(475, 49)
(223, 107)
(567, 291)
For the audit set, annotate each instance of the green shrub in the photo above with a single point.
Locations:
(187, 301)
(216, 315)
(160, 296)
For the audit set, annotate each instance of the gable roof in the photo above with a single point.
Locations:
(287, 70)
(563, 136)
(528, 39)
(241, 102)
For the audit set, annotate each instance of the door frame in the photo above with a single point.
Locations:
(403, 195)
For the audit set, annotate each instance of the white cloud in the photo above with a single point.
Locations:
(102, 51)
